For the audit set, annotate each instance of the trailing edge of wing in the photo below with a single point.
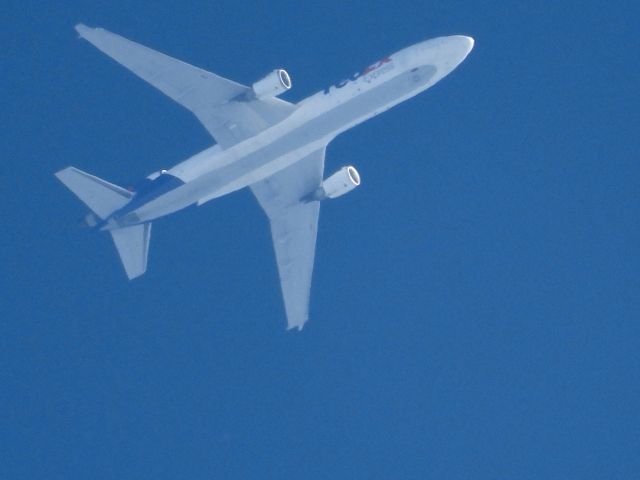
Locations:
(294, 228)
(180, 81)
(209, 96)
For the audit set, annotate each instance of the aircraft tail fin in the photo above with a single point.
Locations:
(133, 247)
(102, 197)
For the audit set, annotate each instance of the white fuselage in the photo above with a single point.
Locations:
(316, 121)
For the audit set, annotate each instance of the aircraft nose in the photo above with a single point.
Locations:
(445, 52)
(460, 46)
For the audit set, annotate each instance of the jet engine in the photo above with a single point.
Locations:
(272, 85)
(341, 182)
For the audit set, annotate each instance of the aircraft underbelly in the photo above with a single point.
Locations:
(292, 146)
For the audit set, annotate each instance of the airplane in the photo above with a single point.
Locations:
(274, 147)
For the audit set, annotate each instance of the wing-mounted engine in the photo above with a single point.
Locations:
(341, 182)
(154, 175)
(274, 84)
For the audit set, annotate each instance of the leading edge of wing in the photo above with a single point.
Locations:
(178, 80)
(210, 97)
(294, 229)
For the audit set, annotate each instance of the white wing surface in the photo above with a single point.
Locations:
(223, 106)
(294, 227)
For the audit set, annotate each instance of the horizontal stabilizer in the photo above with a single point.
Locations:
(133, 247)
(102, 197)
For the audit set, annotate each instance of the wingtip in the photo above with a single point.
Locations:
(61, 173)
(298, 326)
(82, 30)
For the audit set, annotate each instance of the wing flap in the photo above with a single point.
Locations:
(176, 79)
(224, 107)
(294, 239)
(294, 229)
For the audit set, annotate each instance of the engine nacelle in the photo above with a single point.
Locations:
(341, 182)
(154, 175)
(274, 84)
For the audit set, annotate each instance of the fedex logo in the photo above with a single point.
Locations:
(368, 74)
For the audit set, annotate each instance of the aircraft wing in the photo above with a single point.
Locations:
(221, 105)
(294, 227)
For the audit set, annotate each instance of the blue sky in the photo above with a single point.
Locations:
(474, 311)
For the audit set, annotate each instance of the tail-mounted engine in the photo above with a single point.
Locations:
(274, 84)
